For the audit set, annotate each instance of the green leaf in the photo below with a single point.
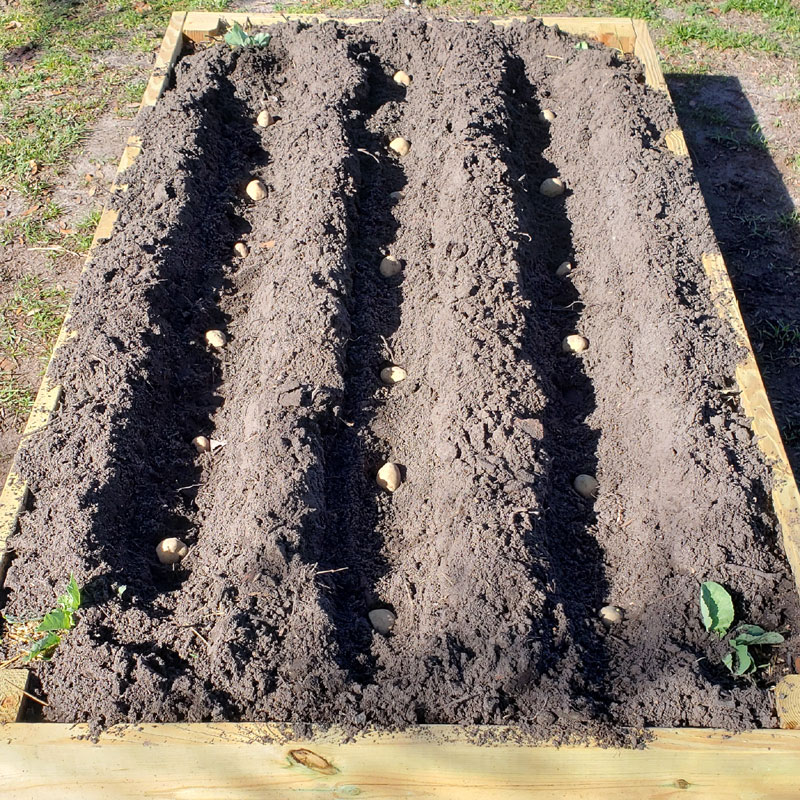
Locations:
(716, 607)
(582, 46)
(262, 39)
(745, 662)
(236, 37)
(71, 600)
(44, 647)
(755, 634)
(56, 620)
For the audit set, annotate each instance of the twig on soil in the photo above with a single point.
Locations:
(557, 58)
(57, 248)
(200, 636)
(388, 348)
(191, 486)
(754, 570)
(367, 153)
(34, 698)
(330, 571)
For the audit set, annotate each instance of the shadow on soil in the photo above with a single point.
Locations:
(352, 456)
(172, 384)
(752, 218)
(575, 583)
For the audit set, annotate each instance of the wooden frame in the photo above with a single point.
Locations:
(251, 760)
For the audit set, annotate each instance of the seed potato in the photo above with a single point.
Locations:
(240, 248)
(393, 374)
(586, 486)
(256, 190)
(403, 78)
(382, 620)
(612, 615)
(265, 119)
(389, 477)
(202, 444)
(400, 146)
(564, 269)
(552, 187)
(546, 115)
(216, 339)
(171, 551)
(390, 266)
(574, 344)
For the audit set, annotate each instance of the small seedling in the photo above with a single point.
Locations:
(582, 46)
(56, 623)
(740, 660)
(716, 609)
(237, 37)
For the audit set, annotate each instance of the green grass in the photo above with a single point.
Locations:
(713, 35)
(31, 318)
(784, 14)
(785, 336)
(49, 102)
(16, 400)
(789, 220)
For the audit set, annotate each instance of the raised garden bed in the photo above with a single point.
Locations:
(494, 566)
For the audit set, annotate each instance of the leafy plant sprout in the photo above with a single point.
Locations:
(716, 611)
(238, 37)
(54, 624)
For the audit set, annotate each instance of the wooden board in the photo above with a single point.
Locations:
(244, 762)
(248, 760)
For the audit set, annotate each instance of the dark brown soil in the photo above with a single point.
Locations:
(495, 567)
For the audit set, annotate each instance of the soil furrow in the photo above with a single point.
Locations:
(476, 421)
(253, 590)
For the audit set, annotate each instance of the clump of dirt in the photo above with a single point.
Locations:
(495, 568)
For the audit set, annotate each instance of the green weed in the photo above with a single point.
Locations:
(717, 614)
(54, 624)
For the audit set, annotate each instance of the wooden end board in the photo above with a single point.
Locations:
(250, 760)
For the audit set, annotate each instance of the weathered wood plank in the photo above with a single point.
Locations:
(243, 762)
(12, 687)
(787, 702)
(168, 53)
(785, 496)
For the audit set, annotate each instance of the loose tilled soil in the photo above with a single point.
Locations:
(495, 566)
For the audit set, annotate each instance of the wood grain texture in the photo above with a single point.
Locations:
(12, 684)
(171, 46)
(676, 142)
(787, 702)
(248, 761)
